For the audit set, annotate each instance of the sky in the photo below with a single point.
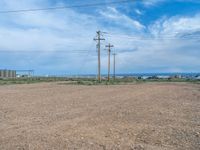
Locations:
(149, 36)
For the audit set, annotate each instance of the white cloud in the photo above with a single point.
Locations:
(64, 30)
(138, 11)
(121, 19)
(150, 3)
(175, 25)
(71, 30)
(166, 50)
(58, 30)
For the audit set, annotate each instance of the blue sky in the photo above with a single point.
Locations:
(148, 35)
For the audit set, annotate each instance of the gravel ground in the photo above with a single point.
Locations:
(149, 116)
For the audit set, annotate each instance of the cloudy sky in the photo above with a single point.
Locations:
(148, 36)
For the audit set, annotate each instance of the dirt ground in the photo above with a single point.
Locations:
(148, 116)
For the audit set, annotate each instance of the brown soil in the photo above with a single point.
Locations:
(142, 116)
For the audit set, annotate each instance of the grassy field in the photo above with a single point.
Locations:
(89, 81)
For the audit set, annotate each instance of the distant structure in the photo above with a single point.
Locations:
(25, 73)
(8, 73)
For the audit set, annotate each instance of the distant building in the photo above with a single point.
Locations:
(7, 74)
(25, 73)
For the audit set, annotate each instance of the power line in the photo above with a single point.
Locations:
(85, 59)
(192, 37)
(64, 7)
(44, 51)
(157, 38)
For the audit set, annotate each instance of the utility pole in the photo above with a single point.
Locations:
(109, 50)
(114, 54)
(99, 39)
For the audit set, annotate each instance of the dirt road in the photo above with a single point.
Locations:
(49, 116)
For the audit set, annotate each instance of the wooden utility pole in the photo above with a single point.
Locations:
(109, 50)
(114, 54)
(99, 39)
